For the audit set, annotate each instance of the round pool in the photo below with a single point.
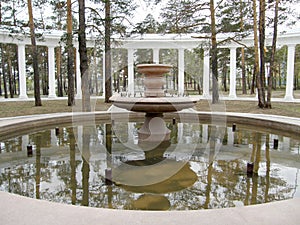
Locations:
(205, 165)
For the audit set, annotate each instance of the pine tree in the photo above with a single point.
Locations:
(70, 50)
(86, 105)
(37, 95)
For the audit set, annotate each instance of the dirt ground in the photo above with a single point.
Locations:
(20, 108)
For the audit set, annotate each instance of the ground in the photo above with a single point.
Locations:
(20, 108)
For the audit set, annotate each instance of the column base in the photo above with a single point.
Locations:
(232, 96)
(52, 96)
(288, 98)
(23, 97)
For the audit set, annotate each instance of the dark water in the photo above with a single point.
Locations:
(201, 167)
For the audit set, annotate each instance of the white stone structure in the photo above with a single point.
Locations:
(154, 42)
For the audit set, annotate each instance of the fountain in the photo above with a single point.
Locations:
(154, 103)
(154, 173)
(161, 179)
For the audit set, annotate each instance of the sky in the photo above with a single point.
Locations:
(144, 10)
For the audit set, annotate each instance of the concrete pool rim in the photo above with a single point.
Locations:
(22, 210)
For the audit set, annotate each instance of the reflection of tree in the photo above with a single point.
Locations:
(38, 167)
(221, 182)
(72, 165)
(268, 165)
(85, 165)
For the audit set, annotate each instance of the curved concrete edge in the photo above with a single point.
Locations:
(22, 210)
(16, 209)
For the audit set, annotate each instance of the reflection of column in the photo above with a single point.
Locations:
(22, 70)
(181, 71)
(130, 127)
(204, 133)
(230, 138)
(206, 73)
(78, 76)
(25, 142)
(232, 89)
(79, 137)
(290, 73)
(130, 70)
(53, 138)
(180, 132)
(156, 55)
(51, 71)
(286, 144)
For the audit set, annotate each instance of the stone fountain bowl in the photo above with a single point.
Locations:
(154, 105)
(154, 69)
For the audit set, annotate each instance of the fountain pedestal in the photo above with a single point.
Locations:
(154, 129)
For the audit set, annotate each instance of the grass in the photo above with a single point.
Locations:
(20, 108)
(278, 108)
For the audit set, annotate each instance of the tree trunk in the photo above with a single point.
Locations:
(261, 78)
(272, 61)
(244, 85)
(70, 50)
(37, 95)
(214, 56)
(253, 83)
(58, 72)
(261, 97)
(10, 77)
(3, 71)
(108, 79)
(86, 103)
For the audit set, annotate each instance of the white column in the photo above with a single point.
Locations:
(180, 71)
(51, 71)
(103, 73)
(130, 71)
(78, 76)
(206, 70)
(156, 55)
(290, 73)
(22, 71)
(232, 89)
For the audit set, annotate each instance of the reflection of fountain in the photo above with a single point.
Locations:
(154, 104)
(155, 174)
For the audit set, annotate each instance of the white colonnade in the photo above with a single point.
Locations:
(156, 43)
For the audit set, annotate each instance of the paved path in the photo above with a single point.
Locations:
(15, 210)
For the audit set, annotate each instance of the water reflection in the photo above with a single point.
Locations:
(211, 177)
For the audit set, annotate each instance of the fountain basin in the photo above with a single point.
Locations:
(154, 81)
(154, 105)
(154, 69)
